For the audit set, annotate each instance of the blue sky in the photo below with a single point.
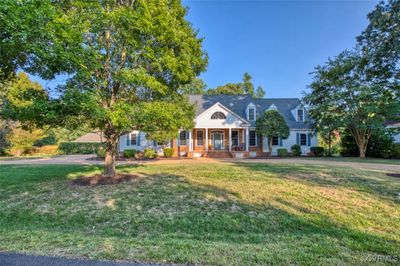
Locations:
(278, 42)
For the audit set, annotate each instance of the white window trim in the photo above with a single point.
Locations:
(297, 114)
(186, 140)
(130, 139)
(235, 130)
(255, 137)
(200, 130)
(251, 106)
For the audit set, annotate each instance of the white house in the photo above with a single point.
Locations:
(225, 127)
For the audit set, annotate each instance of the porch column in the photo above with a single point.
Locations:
(190, 141)
(230, 139)
(206, 129)
(247, 139)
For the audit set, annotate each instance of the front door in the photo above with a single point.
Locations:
(218, 140)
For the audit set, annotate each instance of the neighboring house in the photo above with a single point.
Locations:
(225, 125)
(395, 125)
(92, 137)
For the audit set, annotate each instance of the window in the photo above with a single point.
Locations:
(300, 115)
(252, 138)
(303, 139)
(199, 137)
(218, 115)
(133, 138)
(235, 138)
(182, 138)
(275, 141)
(252, 113)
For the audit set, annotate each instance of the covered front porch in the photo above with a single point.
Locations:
(203, 142)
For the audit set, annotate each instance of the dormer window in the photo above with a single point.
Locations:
(218, 115)
(272, 107)
(252, 113)
(300, 115)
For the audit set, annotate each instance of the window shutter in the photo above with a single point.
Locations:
(298, 138)
(128, 139)
(138, 139)
(280, 142)
(309, 139)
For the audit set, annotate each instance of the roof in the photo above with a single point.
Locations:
(239, 103)
(95, 137)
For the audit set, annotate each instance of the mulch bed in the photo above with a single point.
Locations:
(393, 175)
(101, 180)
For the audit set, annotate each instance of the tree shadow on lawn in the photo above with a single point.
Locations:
(374, 182)
(169, 208)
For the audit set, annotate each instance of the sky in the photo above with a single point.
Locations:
(278, 42)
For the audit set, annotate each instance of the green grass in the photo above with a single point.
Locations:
(197, 213)
(354, 160)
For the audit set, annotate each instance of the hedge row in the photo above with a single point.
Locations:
(80, 147)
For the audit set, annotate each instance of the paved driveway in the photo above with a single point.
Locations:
(91, 159)
(12, 259)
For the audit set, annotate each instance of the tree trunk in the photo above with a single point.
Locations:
(361, 136)
(330, 145)
(111, 150)
(362, 149)
(270, 145)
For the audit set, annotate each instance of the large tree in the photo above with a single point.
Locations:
(245, 87)
(272, 124)
(341, 91)
(121, 58)
(360, 89)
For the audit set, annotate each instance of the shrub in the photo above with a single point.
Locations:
(168, 152)
(47, 150)
(130, 153)
(101, 152)
(149, 153)
(80, 147)
(282, 152)
(396, 151)
(296, 150)
(317, 151)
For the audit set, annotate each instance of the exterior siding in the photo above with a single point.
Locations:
(140, 145)
(292, 140)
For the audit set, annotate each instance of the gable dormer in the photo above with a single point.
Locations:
(272, 107)
(251, 112)
(299, 113)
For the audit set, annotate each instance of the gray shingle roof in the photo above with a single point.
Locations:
(239, 103)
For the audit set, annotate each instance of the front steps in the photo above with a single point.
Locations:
(218, 154)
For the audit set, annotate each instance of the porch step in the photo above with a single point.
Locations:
(218, 154)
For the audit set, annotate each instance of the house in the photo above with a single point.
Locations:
(394, 125)
(225, 126)
(91, 137)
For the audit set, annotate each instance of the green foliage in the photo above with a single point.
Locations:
(227, 89)
(260, 93)
(317, 151)
(21, 141)
(246, 87)
(272, 124)
(396, 151)
(80, 147)
(296, 150)
(168, 152)
(197, 86)
(359, 89)
(381, 145)
(130, 153)
(118, 57)
(101, 152)
(282, 152)
(149, 153)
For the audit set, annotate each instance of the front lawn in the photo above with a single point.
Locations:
(205, 213)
